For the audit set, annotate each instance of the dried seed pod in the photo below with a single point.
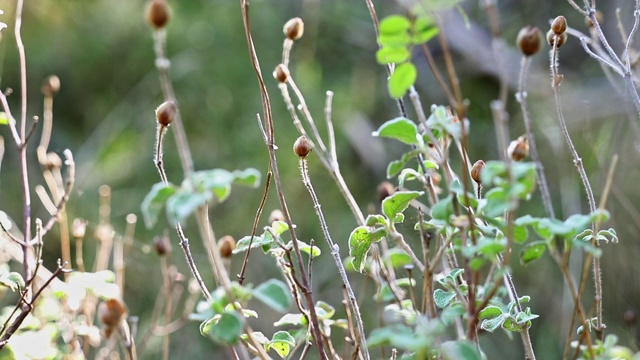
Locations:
(476, 170)
(276, 215)
(589, 23)
(166, 113)
(551, 38)
(294, 28)
(79, 228)
(302, 147)
(529, 40)
(281, 73)
(111, 313)
(384, 190)
(51, 85)
(158, 13)
(226, 245)
(162, 245)
(559, 25)
(518, 149)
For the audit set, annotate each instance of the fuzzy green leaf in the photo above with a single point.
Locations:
(282, 342)
(423, 30)
(399, 128)
(490, 312)
(154, 202)
(392, 55)
(398, 202)
(443, 298)
(403, 77)
(532, 251)
(394, 24)
(359, 243)
(225, 329)
(183, 203)
(275, 294)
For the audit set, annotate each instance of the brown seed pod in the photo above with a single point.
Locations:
(302, 147)
(384, 190)
(551, 37)
(559, 25)
(111, 313)
(518, 149)
(276, 215)
(162, 245)
(226, 245)
(51, 85)
(476, 170)
(529, 40)
(589, 23)
(158, 13)
(294, 28)
(281, 73)
(166, 113)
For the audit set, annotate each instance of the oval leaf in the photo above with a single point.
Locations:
(226, 328)
(154, 201)
(275, 294)
(398, 202)
(403, 77)
(532, 251)
(399, 128)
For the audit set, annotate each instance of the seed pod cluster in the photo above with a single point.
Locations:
(293, 29)
(557, 32)
(529, 40)
(281, 73)
(166, 113)
(158, 13)
(302, 147)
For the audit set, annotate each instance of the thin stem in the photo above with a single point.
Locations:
(361, 342)
(522, 98)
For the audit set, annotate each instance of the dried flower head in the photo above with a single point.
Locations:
(166, 113)
(559, 25)
(294, 28)
(281, 73)
(529, 40)
(162, 245)
(551, 38)
(519, 148)
(302, 147)
(476, 171)
(226, 245)
(158, 13)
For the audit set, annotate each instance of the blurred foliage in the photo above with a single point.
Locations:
(102, 51)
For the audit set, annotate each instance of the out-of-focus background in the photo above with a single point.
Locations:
(102, 51)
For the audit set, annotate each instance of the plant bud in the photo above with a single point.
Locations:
(79, 228)
(226, 245)
(158, 13)
(162, 245)
(302, 147)
(518, 149)
(166, 113)
(559, 25)
(293, 29)
(281, 73)
(50, 85)
(476, 170)
(589, 23)
(529, 40)
(384, 190)
(551, 36)
(276, 215)
(111, 313)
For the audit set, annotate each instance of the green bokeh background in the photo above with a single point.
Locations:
(102, 50)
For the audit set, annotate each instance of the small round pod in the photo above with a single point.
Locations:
(476, 171)
(276, 215)
(226, 245)
(559, 25)
(518, 149)
(50, 85)
(162, 245)
(158, 14)
(293, 29)
(166, 113)
(281, 73)
(302, 147)
(529, 40)
(551, 38)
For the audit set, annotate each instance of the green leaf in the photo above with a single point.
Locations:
(423, 30)
(490, 312)
(154, 202)
(183, 203)
(510, 324)
(291, 319)
(443, 298)
(392, 55)
(375, 219)
(460, 350)
(359, 243)
(399, 128)
(306, 248)
(532, 251)
(397, 258)
(394, 168)
(4, 119)
(492, 324)
(275, 294)
(443, 209)
(403, 77)
(225, 329)
(12, 280)
(324, 310)
(398, 202)
(520, 234)
(243, 244)
(394, 24)
(282, 342)
(247, 177)
(497, 202)
(407, 174)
